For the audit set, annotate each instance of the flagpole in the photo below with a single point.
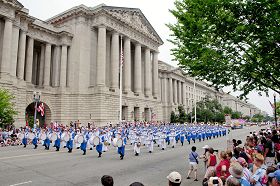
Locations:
(121, 66)
(194, 94)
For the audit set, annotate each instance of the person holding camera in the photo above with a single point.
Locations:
(193, 163)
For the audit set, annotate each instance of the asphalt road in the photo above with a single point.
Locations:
(19, 166)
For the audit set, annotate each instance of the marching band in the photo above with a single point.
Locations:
(138, 135)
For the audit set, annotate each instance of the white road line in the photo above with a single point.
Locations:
(22, 183)
(26, 155)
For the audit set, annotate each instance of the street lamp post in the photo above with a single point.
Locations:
(275, 109)
(36, 97)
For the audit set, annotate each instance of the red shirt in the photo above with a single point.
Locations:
(219, 171)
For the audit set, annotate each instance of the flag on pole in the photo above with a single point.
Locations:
(42, 109)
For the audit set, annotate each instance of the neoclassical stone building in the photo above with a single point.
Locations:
(73, 60)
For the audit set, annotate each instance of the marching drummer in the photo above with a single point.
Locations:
(24, 140)
(121, 149)
(163, 140)
(99, 147)
(57, 141)
(84, 143)
(69, 144)
(137, 144)
(35, 139)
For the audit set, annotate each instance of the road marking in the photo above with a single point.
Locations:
(22, 183)
(26, 155)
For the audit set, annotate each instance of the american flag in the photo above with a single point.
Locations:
(41, 109)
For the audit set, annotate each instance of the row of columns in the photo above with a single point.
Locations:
(150, 70)
(173, 91)
(18, 57)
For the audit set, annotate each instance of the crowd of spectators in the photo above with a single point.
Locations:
(8, 137)
(253, 162)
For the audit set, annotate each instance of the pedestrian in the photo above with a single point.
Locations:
(193, 163)
(107, 180)
(136, 184)
(174, 179)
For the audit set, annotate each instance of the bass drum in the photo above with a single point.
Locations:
(79, 139)
(20, 136)
(119, 142)
(43, 136)
(53, 137)
(114, 142)
(65, 137)
(31, 136)
(96, 140)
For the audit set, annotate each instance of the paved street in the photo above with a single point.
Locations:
(20, 166)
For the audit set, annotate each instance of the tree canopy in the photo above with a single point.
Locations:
(7, 109)
(229, 42)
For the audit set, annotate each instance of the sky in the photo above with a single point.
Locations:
(157, 13)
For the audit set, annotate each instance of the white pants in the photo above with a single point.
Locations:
(136, 149)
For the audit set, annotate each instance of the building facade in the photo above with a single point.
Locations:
(73, 60)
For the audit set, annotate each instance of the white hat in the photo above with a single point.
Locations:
(206, 147)
(174, 177)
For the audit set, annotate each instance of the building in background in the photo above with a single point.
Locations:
(73, 60)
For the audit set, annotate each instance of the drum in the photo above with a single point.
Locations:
(119, 142)
(20, 136)
(114, 142)
(96, 140)
(65, 137)
(53, 137)
(106, 143)
(43, 136)
(79, 139)
(31, 136)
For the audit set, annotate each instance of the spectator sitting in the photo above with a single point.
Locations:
(232, 181)
(174, 179)
(107, 180)
(136, 184)
(268, 171)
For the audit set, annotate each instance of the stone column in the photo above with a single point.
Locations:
(170, 91)
(127, 65)
(41, 66)
(14, 55)
(175, 92)
(155, 74)
(164, 89)
(179, 93)
(7, 44)
(101, 56)
(21, 55)
(148, 72)
(55, 66)
(34, 67)
(47, 67)
(29, 59)
(63, 66)
(115, 60)
(184, 94)
(137, 69)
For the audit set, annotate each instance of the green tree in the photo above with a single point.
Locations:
(236, 115)
(278, 109)
(7, 109)
(182, 117)
(173, 117)
(258, 118)
(229, 43)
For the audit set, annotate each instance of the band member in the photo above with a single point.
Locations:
(35, 139)
(99, 147)
(182, 137)
(150, 142)
(121, 150)
(57, 141)
(137, 144)
(163, 140)
(69, 143)
(172, 138)
(84, 143)
(24, 140)
(47, 141)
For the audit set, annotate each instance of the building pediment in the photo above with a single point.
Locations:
(131, 17)
(134, 18)
(13, 3)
